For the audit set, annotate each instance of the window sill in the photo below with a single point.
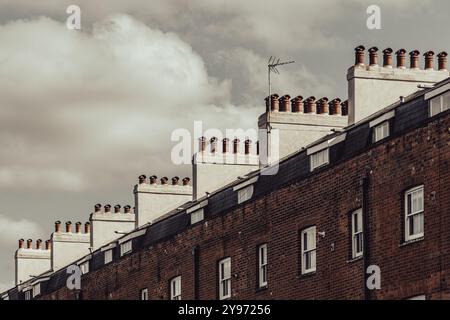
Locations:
(405, 243)
(306, 275)
(260, 289)
(355, 259)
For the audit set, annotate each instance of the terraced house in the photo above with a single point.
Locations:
(362, 182)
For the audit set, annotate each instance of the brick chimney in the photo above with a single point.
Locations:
(38, 244)
(225, 143)
(97, 207)
(29, 243)
(127, 209)
(310, 105)
(153, 179)
(107, 208)
(117, 208)
(142, 178)
(236, 146)
(175, 181)
(186, 181)
(21, 241)
(274, 104)
(48, 245)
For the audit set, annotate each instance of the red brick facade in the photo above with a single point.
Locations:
(325, 199)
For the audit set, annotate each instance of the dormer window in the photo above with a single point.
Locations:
(380, 131)
(126, 247)
(439, 103)
(319, 158)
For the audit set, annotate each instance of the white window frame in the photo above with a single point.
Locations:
(225, 278)
(144, 294)
(245, 194)
(357, 233)
(108, 256)
(440, 100)
(36, 289)
(175, 288)
(308, 249)
(410, 213)
(319, 158)
(380, 131)
(197, 216)
(262, 265)
(126, 247)
(84, 267)
(28, 295)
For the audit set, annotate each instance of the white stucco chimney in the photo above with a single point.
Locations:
(372, 87)
(295, 123)
(153, 199)
(216, 167)
(31, 261)
(68, 246)
(105, 224)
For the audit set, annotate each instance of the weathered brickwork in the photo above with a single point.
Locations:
(325, 199)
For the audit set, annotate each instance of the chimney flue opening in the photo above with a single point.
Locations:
(429, 56)
(248, 143)
(68, 226)
(401, 58)
(359, 55)
(236, 146)
(142, 178)
(297, 104)
(175, 181)
(202, 144)
(97, 207)
(285, 103)
(213, 143)
(387, 58)
(414, 59)
(373, 56)
(87, 227)
(322, 106)
(442, 61)
(58, 226)
(274, 103)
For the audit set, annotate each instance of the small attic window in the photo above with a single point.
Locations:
(197, 216)
(380, 132)
(319, 158)
(439, 103)
(245, 194)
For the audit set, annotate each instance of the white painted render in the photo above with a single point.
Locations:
(68, 247)
(155, 200)
(372, 88)
(297, 130)
(31, 262)
(105, 224)
(211, 171)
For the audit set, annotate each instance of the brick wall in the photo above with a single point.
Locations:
(324, 199)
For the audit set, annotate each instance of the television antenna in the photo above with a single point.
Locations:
(272, 65)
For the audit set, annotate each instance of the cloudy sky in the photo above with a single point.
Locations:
(83, 113)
